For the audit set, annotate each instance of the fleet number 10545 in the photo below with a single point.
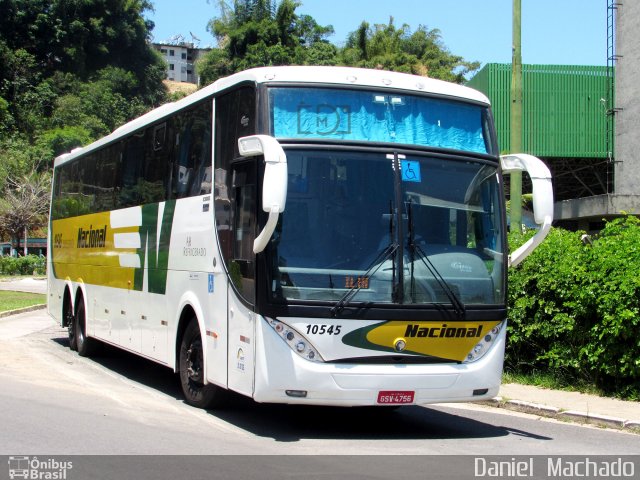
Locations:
(324, 329)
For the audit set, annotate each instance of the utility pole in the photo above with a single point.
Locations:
(515, 126)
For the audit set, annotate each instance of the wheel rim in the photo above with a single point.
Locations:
(194, 362)
(70, 321)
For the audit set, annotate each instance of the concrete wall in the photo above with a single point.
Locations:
(627, 138)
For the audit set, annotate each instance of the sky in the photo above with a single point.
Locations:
(570, 32)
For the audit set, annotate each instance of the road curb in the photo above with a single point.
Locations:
(567, 415)
(604, 420)
(32, 308)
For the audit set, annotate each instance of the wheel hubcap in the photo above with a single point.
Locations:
(70, 322)
(194, 363)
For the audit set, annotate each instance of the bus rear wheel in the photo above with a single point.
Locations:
(85, 346)
(191, 369)
(70, 322)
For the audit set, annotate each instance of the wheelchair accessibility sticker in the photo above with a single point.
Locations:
(410, 171)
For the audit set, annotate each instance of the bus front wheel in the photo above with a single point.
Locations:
(191, 368)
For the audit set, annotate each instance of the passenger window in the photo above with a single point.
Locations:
(152, 187)
(131, 171)
(192, 166)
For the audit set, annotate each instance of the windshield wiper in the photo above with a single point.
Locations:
(373, 268)
(457, 305)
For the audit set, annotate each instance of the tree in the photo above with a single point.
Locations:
(25, 206)
(19, 156)
(27, 93)
(83, 36)
(388, 47)
(256, 33)
(50, 48)
(65, 139)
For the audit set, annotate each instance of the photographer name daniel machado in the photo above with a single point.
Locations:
(556, 467)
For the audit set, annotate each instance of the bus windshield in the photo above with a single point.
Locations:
(340, 233)
(381, 117)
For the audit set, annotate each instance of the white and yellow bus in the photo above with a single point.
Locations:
(309, 235)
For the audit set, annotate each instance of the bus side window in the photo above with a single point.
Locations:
(200, 151)
(71, 189)
(181, 167)
(107, 169)
(152, 186)
(131, 171)
(192, 172)
(63, 204)
(236, 188)
(87, 192)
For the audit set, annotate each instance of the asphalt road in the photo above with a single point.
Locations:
(25, 284)
(54, 402)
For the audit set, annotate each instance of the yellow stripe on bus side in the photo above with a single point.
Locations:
(88, 247)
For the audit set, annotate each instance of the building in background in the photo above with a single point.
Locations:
(35, 246)
(181, 58)
(584, 121)
(564, 122)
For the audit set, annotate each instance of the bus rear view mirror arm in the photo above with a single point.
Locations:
(542, 198)
(274, 187)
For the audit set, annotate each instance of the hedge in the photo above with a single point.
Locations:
(574, 308)
(27, 265)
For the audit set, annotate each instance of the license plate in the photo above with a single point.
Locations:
(395, 397)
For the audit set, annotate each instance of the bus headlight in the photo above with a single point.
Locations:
(483, 346)
(296, 342)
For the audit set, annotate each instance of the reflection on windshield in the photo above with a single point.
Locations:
(338, 229)
(371, 116)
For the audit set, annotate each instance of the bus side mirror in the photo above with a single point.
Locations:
(542, 198)
(274, 186)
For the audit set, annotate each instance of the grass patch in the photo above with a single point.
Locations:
(14, 300)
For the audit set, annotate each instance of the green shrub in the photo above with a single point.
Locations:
(28, 265)
(574, 308)
(613, 350)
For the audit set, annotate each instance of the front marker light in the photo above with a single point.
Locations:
(483, 346)
(296, 342)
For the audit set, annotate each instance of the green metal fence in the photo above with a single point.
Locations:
(564, 108)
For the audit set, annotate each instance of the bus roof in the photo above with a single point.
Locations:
(291, 74)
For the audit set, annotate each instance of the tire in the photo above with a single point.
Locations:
(85, 346)
(191, 370)
(70, 320)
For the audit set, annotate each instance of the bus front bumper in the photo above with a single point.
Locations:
(281, 376)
